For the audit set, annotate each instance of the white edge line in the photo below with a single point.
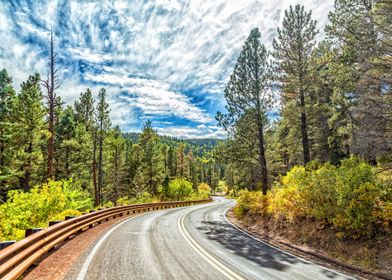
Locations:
(279, 249)
(83, 270)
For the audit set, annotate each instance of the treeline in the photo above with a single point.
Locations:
(200, 147)
(88, 149)
(335, 95)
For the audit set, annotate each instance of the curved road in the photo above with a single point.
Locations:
(194, 242)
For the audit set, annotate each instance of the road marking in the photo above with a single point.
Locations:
(204, 254)
(83, 270)
(279, 249)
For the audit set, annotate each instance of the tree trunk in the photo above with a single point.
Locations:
(50, 142)
(100, 168)
(27, 173)
(51, 105)
(304, 130)
(116, 176)
(94, 169)
(67, 162)
(262, 160)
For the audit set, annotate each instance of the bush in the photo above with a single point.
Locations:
(204, 191)
(179, 189)
(254, 203)
(144, 197)
(36, 208)
(349, 197)
(222, 187)
(65, 213)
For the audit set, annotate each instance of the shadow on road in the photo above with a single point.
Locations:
(246, 247)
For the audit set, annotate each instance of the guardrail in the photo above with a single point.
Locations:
(18, 257)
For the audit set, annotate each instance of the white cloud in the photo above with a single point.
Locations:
(172, 46)
(192, 132)
(153, 97)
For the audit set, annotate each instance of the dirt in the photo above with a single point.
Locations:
(58, 262)
(369, 259)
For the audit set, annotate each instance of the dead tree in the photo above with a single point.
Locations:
(51, 85)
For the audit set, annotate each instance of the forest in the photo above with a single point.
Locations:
(309, 123)
(86, 162)
(309, 135)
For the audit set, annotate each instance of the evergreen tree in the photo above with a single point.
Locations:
(7, 107)
(293, 48)
(133, 161)
(30, 132)
(249, 92)
(86, 135)
(103, 126)
(116, 172)
(150, 171)
(171, 161)
(180, 160)
(65, 144)
(361, 30)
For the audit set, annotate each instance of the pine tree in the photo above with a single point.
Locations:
(7, 107)
(293, 48)
(171, 161)
(150, 171)
(361, 30)
(85, 116)
(249, 92)
(103, 126)
(116, 172)
(66, 144)
(180, 160)
(30, 132)
(133, 160)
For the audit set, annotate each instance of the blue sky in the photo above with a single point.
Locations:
(163, 60)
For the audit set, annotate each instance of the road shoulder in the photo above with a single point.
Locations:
(301, 251)
(63, 261)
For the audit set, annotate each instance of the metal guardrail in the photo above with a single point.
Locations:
(18, 257)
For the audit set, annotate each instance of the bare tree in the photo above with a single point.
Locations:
(51, 84)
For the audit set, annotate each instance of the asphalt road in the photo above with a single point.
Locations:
(190, 243)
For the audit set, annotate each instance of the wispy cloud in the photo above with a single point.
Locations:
(164, 60)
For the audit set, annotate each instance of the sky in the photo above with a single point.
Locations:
(167, 61)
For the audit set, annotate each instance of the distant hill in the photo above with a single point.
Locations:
(198, 146)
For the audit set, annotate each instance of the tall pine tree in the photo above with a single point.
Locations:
(293, 48)
(249, 92)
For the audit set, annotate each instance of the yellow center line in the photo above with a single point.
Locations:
(230, 274)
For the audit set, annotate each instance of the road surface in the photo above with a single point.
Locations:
(194, 242)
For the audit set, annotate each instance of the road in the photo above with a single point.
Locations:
(191, 243)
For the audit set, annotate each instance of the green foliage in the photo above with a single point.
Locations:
(65, 213)
(36, 208)
(204, 190)
(179, 189)
(143, 197)
(149, 174)
(249, 101)
(349, 198)
(252, 202)
(222, 187)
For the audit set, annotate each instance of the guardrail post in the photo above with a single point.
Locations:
(5, 244)
(69, 217)
(51, 223)
(31, 231)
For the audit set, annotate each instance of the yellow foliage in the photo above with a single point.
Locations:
(36, 208)
(204, 191)
(349, 197)
(254, 203)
